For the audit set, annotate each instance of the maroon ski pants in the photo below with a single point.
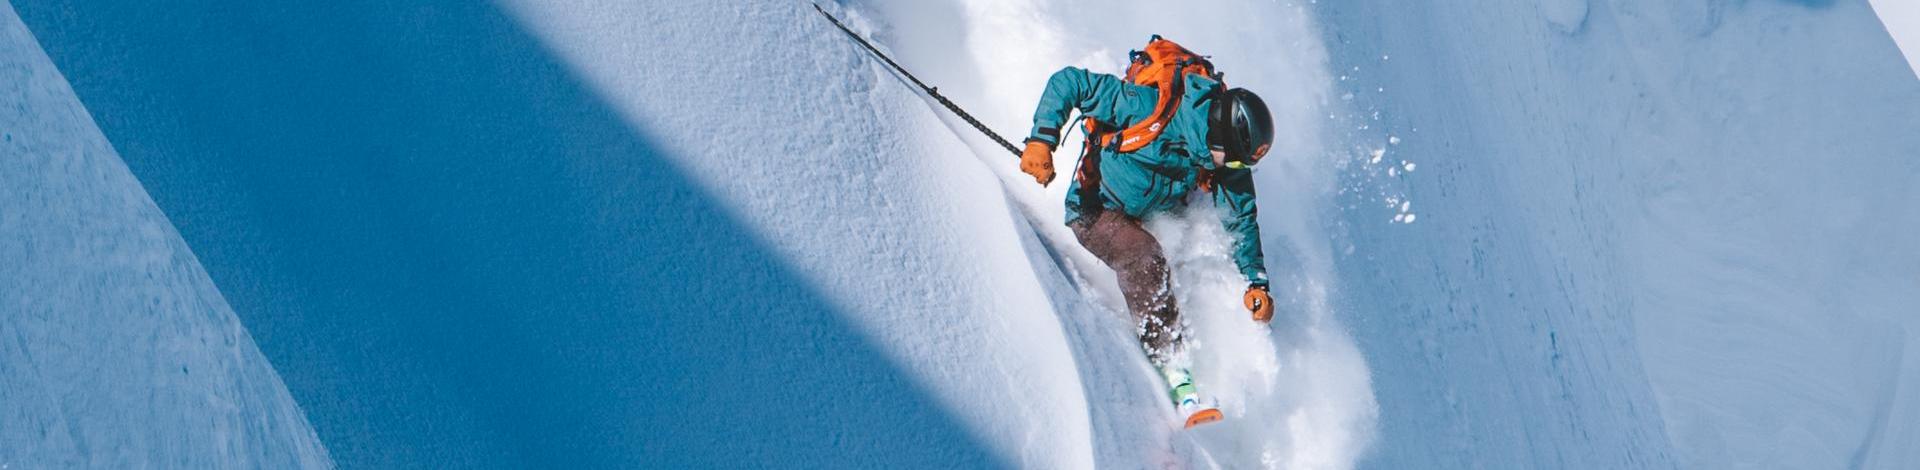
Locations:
(1135, 257)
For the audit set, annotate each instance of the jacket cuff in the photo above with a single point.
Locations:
(1050, 135)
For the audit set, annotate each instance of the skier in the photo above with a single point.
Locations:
(1166, 130)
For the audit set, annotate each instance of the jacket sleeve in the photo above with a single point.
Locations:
(1235, 194)
(1096, 95)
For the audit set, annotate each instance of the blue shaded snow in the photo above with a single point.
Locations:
(116, 351)
(1676, 236)
(457, 256)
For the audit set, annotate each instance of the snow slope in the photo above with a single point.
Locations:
(459, 252)
(1902, 20)
(592, 233)
(480, 236)
(116, 351)
(1129, 422)
(1655, 233)
(1297, 395)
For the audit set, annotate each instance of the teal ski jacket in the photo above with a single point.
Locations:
(1158, 177)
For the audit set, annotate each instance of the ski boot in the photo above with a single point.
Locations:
(1186, 399)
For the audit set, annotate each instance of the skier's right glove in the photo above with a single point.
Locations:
(1038, 161)
(1260, 303)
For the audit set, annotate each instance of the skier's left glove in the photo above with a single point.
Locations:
(1260, 303)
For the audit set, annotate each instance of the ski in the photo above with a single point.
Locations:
(1186, 398)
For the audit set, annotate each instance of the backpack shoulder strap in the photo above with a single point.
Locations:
(1163, 65)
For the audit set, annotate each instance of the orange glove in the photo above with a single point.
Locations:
(1260, 303)
(1038, 161)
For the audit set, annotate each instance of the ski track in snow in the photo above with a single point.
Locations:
(1297, 396)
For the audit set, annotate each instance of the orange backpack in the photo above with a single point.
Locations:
(1163, 65)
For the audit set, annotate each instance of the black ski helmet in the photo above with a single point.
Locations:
(1240, 126)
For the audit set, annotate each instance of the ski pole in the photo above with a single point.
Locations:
(931, 91)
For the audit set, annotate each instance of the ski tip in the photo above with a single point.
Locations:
(1203, 417)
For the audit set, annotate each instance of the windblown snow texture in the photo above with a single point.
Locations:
(1676, 236)
(116, 351)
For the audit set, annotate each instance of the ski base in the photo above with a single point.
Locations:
(1205, 416)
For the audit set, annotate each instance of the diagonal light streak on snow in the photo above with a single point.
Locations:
(853, 179)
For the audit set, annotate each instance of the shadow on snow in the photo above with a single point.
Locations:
(456, 255)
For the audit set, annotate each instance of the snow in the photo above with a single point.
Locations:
(1657, 240)
(928, 211)
(1307, 372)
(1901, 18)
(458, 254)
(1651, 234)
(116, 350)
(444, 218)
(1566, 16)
(1107, 385)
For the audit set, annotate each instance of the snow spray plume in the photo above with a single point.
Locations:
(931, 91)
